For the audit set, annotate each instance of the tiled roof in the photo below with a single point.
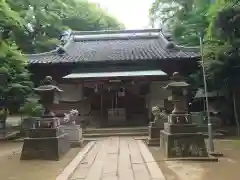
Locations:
(148, 44)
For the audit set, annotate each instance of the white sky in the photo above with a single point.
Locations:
(132, 13)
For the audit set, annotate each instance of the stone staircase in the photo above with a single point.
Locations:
(106, 132)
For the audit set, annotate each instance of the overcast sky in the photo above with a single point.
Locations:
(131, 13)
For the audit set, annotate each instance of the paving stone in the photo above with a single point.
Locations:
(136, 157)
(152, 166)
(140, 172)
(82, 170)
(66, 173)
(80, 173)
(126, 174)
(118, 158)
(111, 163)
(124, 161)
(110, 177)
(90, 157)
(95, 172)
(113, 145)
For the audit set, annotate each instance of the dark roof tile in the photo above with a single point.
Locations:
(115, 46)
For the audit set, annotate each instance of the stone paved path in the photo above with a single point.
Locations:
(118, 158)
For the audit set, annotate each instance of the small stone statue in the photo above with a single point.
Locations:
(156, 113)
(71, 116)
(160, 116)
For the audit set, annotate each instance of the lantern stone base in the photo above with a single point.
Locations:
(153, 141)
(182, 140)
(45, 144)
(180, 128)
(154, 134)
(74, 134)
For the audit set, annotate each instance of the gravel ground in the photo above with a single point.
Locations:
(14, 169)
(226, 168)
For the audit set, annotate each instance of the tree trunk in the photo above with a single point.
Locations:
(235, 112)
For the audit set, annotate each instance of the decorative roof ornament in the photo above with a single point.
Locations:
(65, 36)
(61, 50)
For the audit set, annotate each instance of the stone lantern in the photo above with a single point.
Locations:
(47, 92)
(180, 137)
(46, 140)
(179, 89)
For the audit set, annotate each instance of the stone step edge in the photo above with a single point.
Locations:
(114, 131)
(115, 134)
(70, 168)
(119, 132)
(120, 128)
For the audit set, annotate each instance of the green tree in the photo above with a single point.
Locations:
(222, 51)
(12, 63)
(32, 26)
(219, 20)
(184, 18)
(45, 20)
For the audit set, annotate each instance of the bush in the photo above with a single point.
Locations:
(32, 109)
(3, 113)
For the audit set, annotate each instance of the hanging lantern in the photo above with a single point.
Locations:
(96, 88)
(121, 92)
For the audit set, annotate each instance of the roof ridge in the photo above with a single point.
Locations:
(114, 31)
(188, 48)
(174, 45)
(77, 38)
(43, 53)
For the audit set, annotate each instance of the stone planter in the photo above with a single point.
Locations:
(74, 134)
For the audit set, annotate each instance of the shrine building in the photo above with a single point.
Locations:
(113, 78)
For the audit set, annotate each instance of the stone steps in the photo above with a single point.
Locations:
(106, 132)
(115, 134)
(115, 130)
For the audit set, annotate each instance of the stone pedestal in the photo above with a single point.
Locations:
(74, 134)
(45, 144)
(154, 134)
(182, 141)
